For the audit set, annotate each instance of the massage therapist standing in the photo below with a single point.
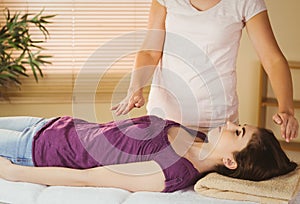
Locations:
(190, 50)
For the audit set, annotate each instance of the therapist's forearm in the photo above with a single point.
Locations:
(54, 176)
(147, 59)
(281, 81)
(145, 65)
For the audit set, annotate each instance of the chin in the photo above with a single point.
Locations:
(214, 136)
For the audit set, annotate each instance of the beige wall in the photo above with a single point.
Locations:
(285, 20)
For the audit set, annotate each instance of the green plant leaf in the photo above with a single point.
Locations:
(2, 31)
(4, 78)
(16, 44)
(41, 60)
(7, 75)
(8, 14)
(18, 68)
(49, 16)
(36, 46)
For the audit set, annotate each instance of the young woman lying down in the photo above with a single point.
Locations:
(140, 154)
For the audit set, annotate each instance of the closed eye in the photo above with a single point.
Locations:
(238, 132)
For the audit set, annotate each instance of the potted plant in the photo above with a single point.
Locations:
(18, 50)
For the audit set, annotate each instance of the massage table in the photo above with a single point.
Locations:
(27, 193)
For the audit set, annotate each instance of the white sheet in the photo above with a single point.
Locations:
(26, 193)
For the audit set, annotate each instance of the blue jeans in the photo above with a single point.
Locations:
(16, 135)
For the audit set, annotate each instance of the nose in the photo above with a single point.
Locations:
(231, 125)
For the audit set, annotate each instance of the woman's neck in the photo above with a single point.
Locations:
(200, 154)
(203, 157)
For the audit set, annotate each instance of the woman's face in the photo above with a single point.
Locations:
(231, 137)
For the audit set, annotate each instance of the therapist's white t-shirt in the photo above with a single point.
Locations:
(195, 83)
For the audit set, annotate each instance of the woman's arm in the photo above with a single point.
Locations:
(142, 176)
(276, 66)
(146, 60)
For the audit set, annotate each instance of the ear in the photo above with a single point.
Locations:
(230, 163)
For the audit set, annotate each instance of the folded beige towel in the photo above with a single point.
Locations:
(276, 190)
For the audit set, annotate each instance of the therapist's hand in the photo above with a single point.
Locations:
(288, 125)
(135, 100)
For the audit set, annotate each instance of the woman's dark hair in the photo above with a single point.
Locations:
(263, 158)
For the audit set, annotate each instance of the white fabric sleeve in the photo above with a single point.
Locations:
(162, 2)
(252, 8)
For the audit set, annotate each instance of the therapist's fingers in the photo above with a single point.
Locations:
(129, 106)
(283, 127)
(277, 119)
(280, 119)
(114, 107)
(294, 127)
(135, 102)
(120, 108)
(288, 127)
(124, 107)
(288, 132)
(139, 101)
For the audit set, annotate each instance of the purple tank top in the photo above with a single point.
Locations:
(75, 143)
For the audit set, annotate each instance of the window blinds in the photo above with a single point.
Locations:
(93, 44)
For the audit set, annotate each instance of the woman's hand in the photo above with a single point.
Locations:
(5, 166)
(135, 100)
(288, 125)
